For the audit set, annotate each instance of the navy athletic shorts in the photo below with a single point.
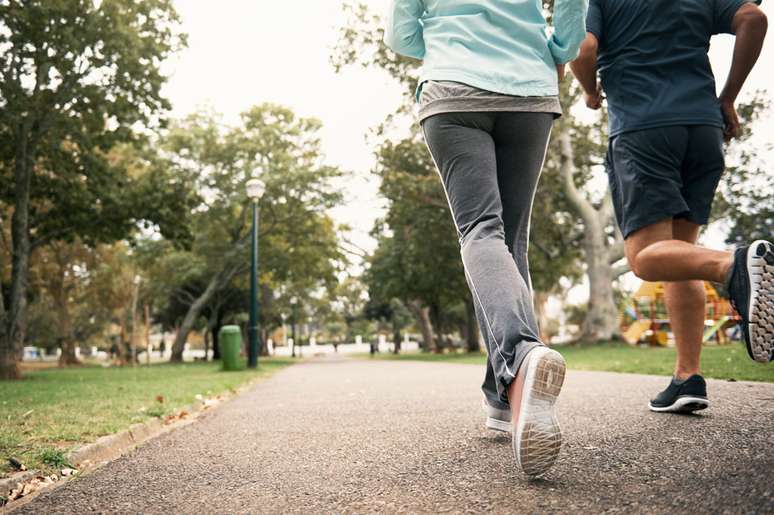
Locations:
(664, 173)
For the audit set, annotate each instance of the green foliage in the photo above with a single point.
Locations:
(745, 199)
(55, 458)
(75, 80)
(156, 411)
(298, 241)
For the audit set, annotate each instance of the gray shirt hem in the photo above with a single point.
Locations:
(438, 97)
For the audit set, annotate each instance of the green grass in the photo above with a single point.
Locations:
(51, 411)
(722, 362)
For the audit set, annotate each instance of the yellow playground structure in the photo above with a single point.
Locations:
(644, 318)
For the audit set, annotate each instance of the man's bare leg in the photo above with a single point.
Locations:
(656, 249)
(686, 304)
(655, 253)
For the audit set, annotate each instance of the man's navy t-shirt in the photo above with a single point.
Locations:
(653, 60)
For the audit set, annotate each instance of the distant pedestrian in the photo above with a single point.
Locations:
(665, 158)
(488, 96)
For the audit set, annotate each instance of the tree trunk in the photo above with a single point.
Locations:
(12, 325)
(68, 356)
(601, 322)
(147, 335)
(422, 315)
(441, 340)
(207, 333)
(267, 297)
(263, 341)
(121, 347)
(600, 253)
(195, 310)
(472, 339)
(216, 336)
(66, 340)
(541, 298)
(396, 336)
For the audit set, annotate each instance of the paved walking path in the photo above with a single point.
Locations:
(366, 436)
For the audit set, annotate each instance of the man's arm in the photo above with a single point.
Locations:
(749, 25)
(403, 32)
(585, 70)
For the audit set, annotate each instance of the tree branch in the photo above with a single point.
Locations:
(567, 170)
(618, 271)
(617, 250)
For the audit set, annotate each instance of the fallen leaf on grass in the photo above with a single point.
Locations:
(160, 399)
(172, 418)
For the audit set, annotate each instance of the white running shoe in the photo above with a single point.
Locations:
(537, 437)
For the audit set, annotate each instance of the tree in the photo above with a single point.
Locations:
(298, 244)
(746, 199)
(75, 77)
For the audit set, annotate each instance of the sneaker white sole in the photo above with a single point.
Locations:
(498, 425)
(686, 404)
(537, 437)
(761, 303)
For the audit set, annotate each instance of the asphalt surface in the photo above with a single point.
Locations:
(348, 436)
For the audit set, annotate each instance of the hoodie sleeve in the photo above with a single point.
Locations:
(403, 32)
(569, 29)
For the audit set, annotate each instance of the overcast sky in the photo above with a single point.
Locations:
(244, 52)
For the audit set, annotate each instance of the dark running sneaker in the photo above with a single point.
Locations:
(682, 397)
(751, 289)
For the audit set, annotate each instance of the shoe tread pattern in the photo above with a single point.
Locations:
(541, 437)
(761, 312)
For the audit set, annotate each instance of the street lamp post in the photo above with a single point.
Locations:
(255, 190)
(294, 303)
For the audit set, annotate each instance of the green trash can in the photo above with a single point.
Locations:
(230, 341)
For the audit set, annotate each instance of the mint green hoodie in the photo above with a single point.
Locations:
(496, 45)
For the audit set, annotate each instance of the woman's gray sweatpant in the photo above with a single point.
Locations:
(490, 164)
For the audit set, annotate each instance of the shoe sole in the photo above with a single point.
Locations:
(760, 271)
(684, 404)
(498, 425)
(538, 437)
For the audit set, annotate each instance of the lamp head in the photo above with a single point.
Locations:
(255, 189)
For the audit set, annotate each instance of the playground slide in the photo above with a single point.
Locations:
(636, 330)
(710, 331)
